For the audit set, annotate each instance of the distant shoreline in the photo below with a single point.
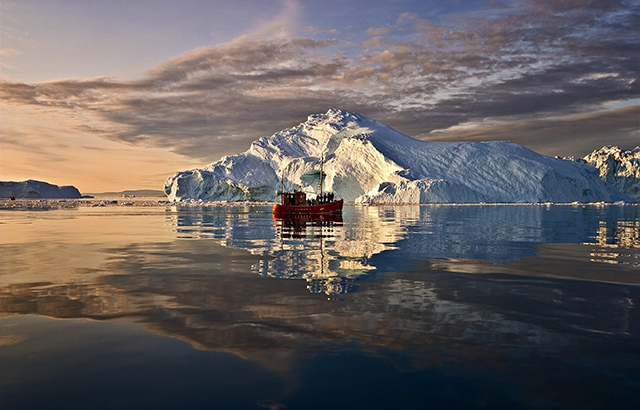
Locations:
(146, 193)
(52, 204)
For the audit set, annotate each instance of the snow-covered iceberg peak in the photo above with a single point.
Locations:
(367, 161)
(619, 167)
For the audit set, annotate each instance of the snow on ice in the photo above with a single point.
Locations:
(368, 162)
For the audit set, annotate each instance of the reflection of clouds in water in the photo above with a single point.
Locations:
(9, 340)
(425, 300)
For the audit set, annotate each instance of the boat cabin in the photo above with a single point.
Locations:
(296, 203)
(299, 198)
(294, 198)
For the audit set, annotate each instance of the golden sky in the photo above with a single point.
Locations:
(117, 95)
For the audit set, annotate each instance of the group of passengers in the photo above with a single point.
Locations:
(324, 198)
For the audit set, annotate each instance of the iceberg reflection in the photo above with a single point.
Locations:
(333, 254)
(322, 250)
(614, 244)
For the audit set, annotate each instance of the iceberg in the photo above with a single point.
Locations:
(619, 167)
(36, 189)
(368, 162)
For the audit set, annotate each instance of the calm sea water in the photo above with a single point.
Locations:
(439, 307)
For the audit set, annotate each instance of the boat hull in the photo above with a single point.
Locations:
(334, 207)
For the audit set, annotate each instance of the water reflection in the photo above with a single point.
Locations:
(614, 244)
(313, 262)
(333, 255)
(482, 290)
(323, 251)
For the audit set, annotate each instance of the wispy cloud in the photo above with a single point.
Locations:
(589, 129)
(9, 52)
(520, 66)
(17, 36)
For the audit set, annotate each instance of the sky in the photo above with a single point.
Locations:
(114, 95)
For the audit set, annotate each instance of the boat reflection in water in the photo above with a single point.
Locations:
(295, 226)
(323, 274)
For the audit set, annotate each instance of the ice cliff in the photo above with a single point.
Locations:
(618, 167)
(369, 162)
(36, 189)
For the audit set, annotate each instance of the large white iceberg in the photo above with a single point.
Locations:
(368, 162)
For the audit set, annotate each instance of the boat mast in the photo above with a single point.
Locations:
(321, 171)
(282, 182)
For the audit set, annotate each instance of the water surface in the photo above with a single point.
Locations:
(391, 307)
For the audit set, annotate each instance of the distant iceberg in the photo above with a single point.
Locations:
(618, 167)
(36, 189)
(369, 162)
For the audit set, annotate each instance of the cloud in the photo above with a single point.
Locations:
(379, 31)
(503, 71)
(572, 134)
(9, 52)
(318, 30)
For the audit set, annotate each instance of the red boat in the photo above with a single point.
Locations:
(296, 203)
